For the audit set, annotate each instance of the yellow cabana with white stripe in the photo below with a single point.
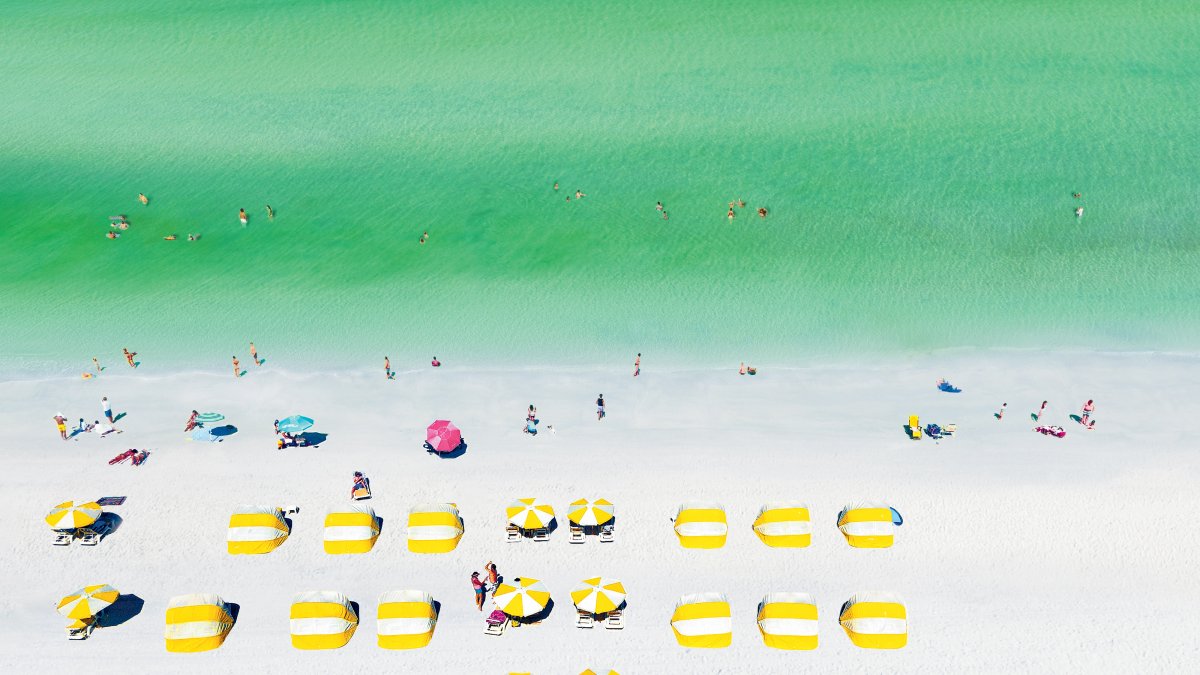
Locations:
(701, 525)
(88, 601)
(703, 620)
(197, 622)
(530, 513)
(434, 528)
(784, 525)
(322, 620)
(788, 621)
(523, 597)
(351, 529)
(590, 513)
(256, 529)
(875, 620)
(406, 619)
(589, 671)
(867, 525)
(70, 516)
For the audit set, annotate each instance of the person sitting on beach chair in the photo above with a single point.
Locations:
(362, 487)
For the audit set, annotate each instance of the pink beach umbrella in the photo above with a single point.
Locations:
(443, 436)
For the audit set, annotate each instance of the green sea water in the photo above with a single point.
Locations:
(918, 161)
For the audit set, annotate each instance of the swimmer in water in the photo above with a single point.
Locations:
(111, 235)
(424, 237)
(1079, 212)
(665, 216)
(556, 186)
(170, 237)
(741, 204)
(1076, 195)
(731, 214)
(762, 212)
(270, 213)
(143, 199)
(242, 216)
(659, 207)
(579, 194)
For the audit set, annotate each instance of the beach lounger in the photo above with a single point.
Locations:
(88, 537)
(585, 620)
(63, 538)
(949, 429)
(606, 533)
(541, 534)
(497, 621)
(80, 633)
(512, 534)
(615, 620)
(576, 535)
(362, 493)
(914, 427)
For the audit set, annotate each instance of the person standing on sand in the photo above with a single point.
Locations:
(242, 216)
(62, 425)
(387, 368)
(107, 408)
(143, 199)
(237, 367)
(742, 368)
(600, 407)
(480, 590)
(129, 357)
(1041, 411)
(96, 362)
(1086, 414)
(492, 574)
(1000, 415)
(637, 365)
(254, 354)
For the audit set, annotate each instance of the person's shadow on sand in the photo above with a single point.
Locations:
(119, 417)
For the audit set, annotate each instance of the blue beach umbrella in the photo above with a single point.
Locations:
(295, 424)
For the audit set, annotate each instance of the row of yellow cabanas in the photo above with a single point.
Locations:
(872, 620)
(786, 525)
(354, 528)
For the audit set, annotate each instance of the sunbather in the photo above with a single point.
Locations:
(361, 482)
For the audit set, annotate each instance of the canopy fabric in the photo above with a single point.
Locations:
(351, 529)
(205, 435)
(524, 596)
(295, 424)
(530, 513)
(875, 620)
(701, 525)
(406, 619)
(598, 595)
(209, 417)
(88, 601)
(589, 671)
(788, 621)
(322, 620)
(256, 530)
(590, 513)
(69, 515)
(784, 525)
(703, 620)
(434, 528)
(867, 525)
(197, 622)
(443, 436)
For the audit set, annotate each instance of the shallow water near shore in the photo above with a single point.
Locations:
(918, 162)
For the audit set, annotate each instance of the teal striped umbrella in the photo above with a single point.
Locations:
(209, 417)
(295, 424)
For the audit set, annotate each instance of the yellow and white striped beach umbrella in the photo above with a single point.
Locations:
(434, 528)
(788, 621)
(867, 525)
(598, 595)
(197, 622)
(703, 620)
(530, 514)
(525, 596)
(701, 525)
(406, 619)
(875, 620)
(88, 601)
(322, 620)
(590, 513)
(351, 529)
(256, 530)
(69, 515)
(784, 525)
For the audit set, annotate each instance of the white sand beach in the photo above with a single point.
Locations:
(1019, 553)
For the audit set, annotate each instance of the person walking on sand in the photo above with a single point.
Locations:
(1000, 415)
(96, 362)
(742, 368)
(107, 408)
(1086, 414)
(480, 590)
(237, 367)
(192, 423)
(254, 354)
(143, 199)
(637, 365)
(1041, 411)
(62, 425)
(129, 357)
(387, 368)
(600, 407)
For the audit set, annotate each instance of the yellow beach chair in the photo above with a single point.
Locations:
(914, 427)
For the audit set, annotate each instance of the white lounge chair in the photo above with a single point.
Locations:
(615, 620)
(585, 620)
(88, 537)
(512, 533)
(541, 534)
(495, 628)
(576, 535)
(80, 633)
(63, 538)
(606, 533)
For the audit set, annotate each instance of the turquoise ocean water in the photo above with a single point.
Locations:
(918, 160)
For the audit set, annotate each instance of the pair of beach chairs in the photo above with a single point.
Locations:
(514, 534)
(88, 536)
(614, 620)
(606, 534)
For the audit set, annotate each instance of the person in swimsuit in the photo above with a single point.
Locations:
(1042, 411)
(579, 194)
(143, 199)
(387, 368)
(556, 186)
(480, 590)
(192, 423)
(242, 216)
(600, 407)
(742, 369)
(129, 357)
(659, 207)
(731, 214)
(254, 354)
(61, 422)
(270, 213)
(237, 367)
(96, 361)
(111, 235)
(1088, 409)
(1000, 415)
(637, 365)
(762, 212)
(435, 363)
(171, 237)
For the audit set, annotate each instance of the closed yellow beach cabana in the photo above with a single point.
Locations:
(406, 619)
(351, 529)
(867, 525)
(701, 525)
(784, 525)
(875, 620)
(434, 528)
(322, 620)
(703, 620)
(256, 530)
(197, 622)
(788, 621)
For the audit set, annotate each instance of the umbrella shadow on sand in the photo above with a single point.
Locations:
(107, 524)
(312, 438)
(456, 452)
(224, 430)
(125, 608)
